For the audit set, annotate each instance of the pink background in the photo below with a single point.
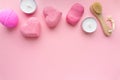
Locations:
(64, 53)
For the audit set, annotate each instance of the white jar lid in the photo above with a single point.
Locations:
(89, 25)
(28, 6)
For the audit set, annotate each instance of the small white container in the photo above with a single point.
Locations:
(89, 25)
(28, 6)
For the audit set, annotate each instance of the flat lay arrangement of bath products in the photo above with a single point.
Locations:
(32, 27)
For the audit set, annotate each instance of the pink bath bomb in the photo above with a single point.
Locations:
(31, 28)
(8, 18)
(75, 14)
(52, 16)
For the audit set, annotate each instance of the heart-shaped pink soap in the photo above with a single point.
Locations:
(75, 14)
(31, 28)
(52, 16)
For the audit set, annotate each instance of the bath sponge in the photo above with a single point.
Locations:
(8, 18)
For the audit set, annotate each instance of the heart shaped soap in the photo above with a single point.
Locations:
(74, 14)
(31, 28)
(52, 16)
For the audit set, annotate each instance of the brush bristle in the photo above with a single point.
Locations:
(97, 7)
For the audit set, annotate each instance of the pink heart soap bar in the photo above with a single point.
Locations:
(8, 18)
(52, 16)
(31, 28)
(75, 14)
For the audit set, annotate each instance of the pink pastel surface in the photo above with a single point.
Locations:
(65, 53)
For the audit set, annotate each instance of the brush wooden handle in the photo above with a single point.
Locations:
(106, 29)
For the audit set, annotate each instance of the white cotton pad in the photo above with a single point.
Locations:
(28, 6)
(89, 25)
